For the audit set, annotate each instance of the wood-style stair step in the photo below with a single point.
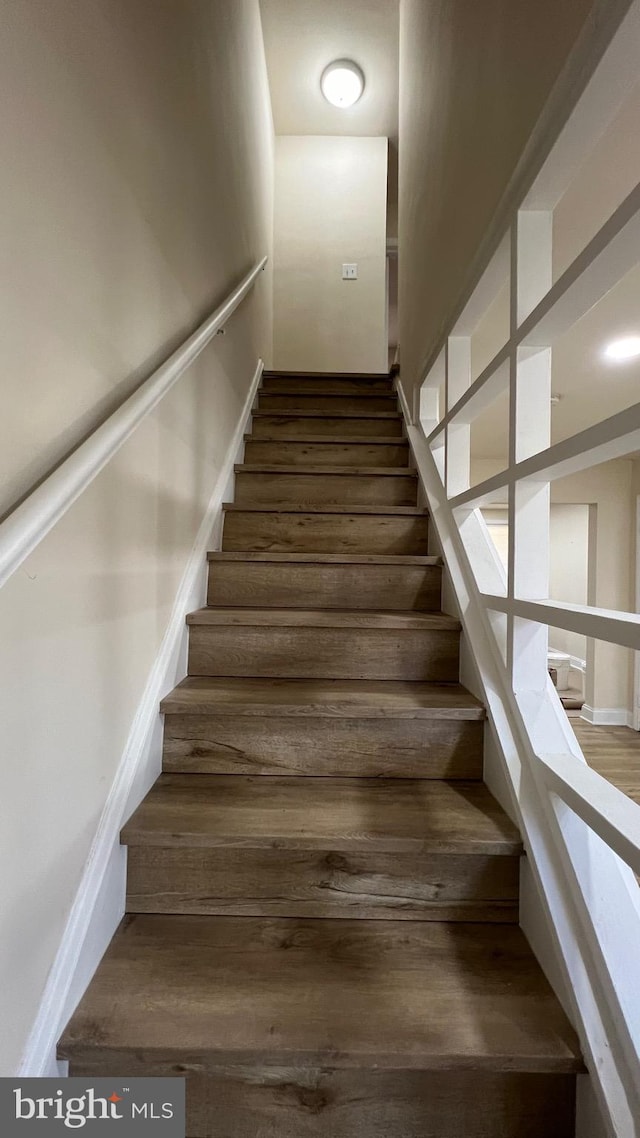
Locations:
(273, 424)
(305, 580)
(322, 643)
(327, 384)
(322, 893)
(325, 529)
(322, 847)
(221, 991)
(323, 727)
(318, 485)
(313, 450)
(300, 402)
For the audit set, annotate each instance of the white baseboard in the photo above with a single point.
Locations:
(99, 903)
(607, 716)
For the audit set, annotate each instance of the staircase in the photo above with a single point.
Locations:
(322, 908)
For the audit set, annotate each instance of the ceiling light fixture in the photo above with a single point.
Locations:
(621, 350)
(342, 83)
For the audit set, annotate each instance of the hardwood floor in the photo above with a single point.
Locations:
(614, 752)
(322, 894)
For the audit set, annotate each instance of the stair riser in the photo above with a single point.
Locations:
(324, 653)
(309, 384)
(298, 426)
(314, 746)
(322, 883)
(324, 533)
(309, 585)
(288, 1102)
(326, 454)
(265, 488)
(329, 403)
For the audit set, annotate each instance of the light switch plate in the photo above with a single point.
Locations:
(349, 272)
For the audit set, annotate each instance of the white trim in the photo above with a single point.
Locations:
(100, 900)
(616, 627)
(615, 437)
(615, 818)
(607, 716)
(586, 891)
(612, 253)
(572, 822)
(30, 522)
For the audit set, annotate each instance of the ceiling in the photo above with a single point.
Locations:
(303, 36)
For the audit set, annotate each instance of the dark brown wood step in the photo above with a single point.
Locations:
(365, 848)
(323, 644)
(341, 814)
(351, 424)
(312, 1102)
(299, 402)
(254, 881)
(348, 375)
(303, 580)
(331, 452)
(328, 384)
(328, 529)
(203, 993)
(323, 727)
(327, 699)
(371, 486)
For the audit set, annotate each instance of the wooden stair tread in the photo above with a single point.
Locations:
(328, 508)
(214, 991)
(338, 440)
(329, 558)
(323, 471)
(323, 618)
(310, 413)
(344, 814)
(362, 699)
(294, 388)
(327, 375)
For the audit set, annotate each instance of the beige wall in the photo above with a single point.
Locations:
(611, 171)
(568, 569)
(330, 208)
(475, 77)
(568, 561)
(137, 180)
(608, 487)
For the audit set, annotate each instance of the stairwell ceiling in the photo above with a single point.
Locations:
(303, 36)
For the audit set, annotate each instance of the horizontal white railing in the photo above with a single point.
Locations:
(606, 810)
(32, 520)
(581, 833)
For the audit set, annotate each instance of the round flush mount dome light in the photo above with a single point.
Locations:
(342, 83)
(625, 349)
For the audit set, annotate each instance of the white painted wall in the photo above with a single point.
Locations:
(137, 155)
(330, 209)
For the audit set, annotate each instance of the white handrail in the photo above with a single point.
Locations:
(32, 520)
(610, 813)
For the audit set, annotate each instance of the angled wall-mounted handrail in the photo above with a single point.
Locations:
(32, 520)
